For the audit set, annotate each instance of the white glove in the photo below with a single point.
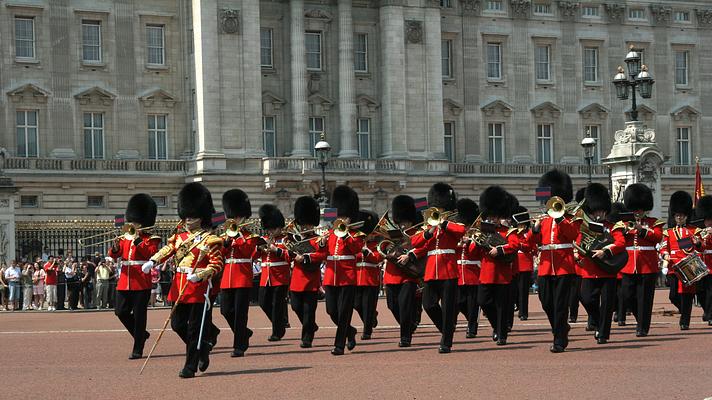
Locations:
(193, 278)
(665, 270)
(146, 268)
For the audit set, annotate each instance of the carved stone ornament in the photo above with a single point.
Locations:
(568, 9)
(414, 31)
(4, 242)
(229, 20)
(520, 8)
(615, 11)
(471, 6)
(661, 13)
(648, 170)
(317, 14)
(4, 203)
(634, 133)
(704, 17)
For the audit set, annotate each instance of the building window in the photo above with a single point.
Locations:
(544, 143)
(494, 60)
(155, 43)
(266, 48)
(681, 16)
(95, 201)
(269, 137)
(683, 146)
(450, 141)
(24, 37)
(590, 12)
(494, 5)
(316, 129)
(543, 66)
(446, 58)
(681, 68)
(363, 133)
(542, 9)
(495, 137)
(157, 137)
(361, 52)
(161, 201)
(313, 44)
(93, 135)
(590, 64)
(91, 41)
(594, 132)
(26, 124)
(446, 3)
(636, 14)
(29, 201)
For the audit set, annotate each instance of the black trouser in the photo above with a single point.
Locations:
(186, 322)
(554, 292)
(524, 282)
(598, 297)
(674, 297)
(61, 295)
(235, 306)
(440, 303)
(73, 287)
(469, 306)
(707, 301)
(495, 302)
(639, 293)
(621, 304)
(511, 299)
(574, 294)
(402, 303)
(365, 303)
(340, 307)
(304, 305)
(273, 301)
(88, 295)
(686, 300)
(131, 309)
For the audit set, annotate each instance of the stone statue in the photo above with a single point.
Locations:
(3, 244)
(3, 155)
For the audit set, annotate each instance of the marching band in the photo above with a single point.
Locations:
(453, 257)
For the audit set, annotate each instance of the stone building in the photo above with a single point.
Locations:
(102, 99)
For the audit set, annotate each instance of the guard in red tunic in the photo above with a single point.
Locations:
(641, 271)
(557, 270)
(524, 263)
(681, 240)
(133, 289)
(468, 268)
(703, 211)
(368, 275)
(341, 247)
(306, 271)
(236, 280)
(598, 286)
(275, 263)
(198, 256)
(620, 308)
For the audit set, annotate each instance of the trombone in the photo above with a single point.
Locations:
(555, 208)
(341, 228)
(232, 227)
(129, 231)
(435, 216)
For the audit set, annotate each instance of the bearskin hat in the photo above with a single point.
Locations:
(345, 200)
(638, 196)
(306, 211)
(370, 219)
(271, 217)
(236, 204)
(141, 209)
(560, 184)
(617, 209)
(580, 194)
(495, 202)
(704, 207)
(403, 209)
(467, 211)
(597, 198)
(195, 201)
(442, 195)
(680, 203)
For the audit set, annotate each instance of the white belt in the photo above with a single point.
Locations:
(707, 252)
(365, 264)
(133, 262)
(273, 264)
(641, 248)
(238, 261)
(468, 262)
(340, 258)
(188, 270)
(556, 246)
(440, 251)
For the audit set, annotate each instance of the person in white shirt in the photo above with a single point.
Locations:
(12, 277)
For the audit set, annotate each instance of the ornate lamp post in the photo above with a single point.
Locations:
(638, 78)
(589, 145)
(323, 152)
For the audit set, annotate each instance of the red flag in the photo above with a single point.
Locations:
(699, 187)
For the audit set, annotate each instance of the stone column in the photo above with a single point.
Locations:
(347, 105)
(252, 86)
(7, 216)
(392, 68)
(207, 87)
(300, 136)
(434, 85)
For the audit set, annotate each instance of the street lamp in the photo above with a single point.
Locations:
(638, 77)
(323, 152)
(589, 145)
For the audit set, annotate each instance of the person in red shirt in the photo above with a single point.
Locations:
(557, 268)
(133, 289)
(641, 270)
(703, 211)
(236, 279)
(673, 251)
(51, 268)
(524, 262)
(274, 280)
(468, 268)
(368, 275)
(598, 286)
(306, 271)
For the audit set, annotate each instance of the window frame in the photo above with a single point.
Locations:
(499, 10)
(591, 128)
(596, 15)
(315, 135)
(270, 48)
(273, 131)
(101, 196)
(678, 145)
(162, 27)
(595, 67)
(675, 14)
(363, 52)
(540, 139)
(36, 198)
(537, 63)
(686, 69)
(155, 131)
(498, 63)
(550, 8)
(33, 40)
(25, 127)
(636, 9)
(92, 129)
(366, 133)
(451, 157)
(492, 138)
(447, 43)
(318, 34)
(86, 22)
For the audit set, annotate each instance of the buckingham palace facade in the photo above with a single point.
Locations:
(102, 99)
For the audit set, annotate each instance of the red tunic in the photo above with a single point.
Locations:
(525, 256)
(642, 254)
(671, 247)
(304, 281)
(132, 259)
(555, 241)
(707, 252)
(275, 267)
(589, 269)
(441, 250)
(368, 268)
(393, 274)
(239, 255)
(493, 270)
(468, 266)
(341, 258)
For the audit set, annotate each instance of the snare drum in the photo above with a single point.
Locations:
(690, 269)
